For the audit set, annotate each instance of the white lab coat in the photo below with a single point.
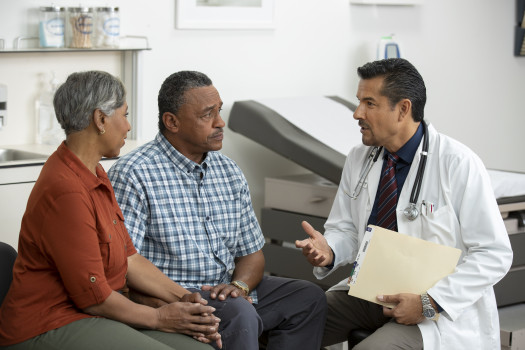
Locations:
(465, 216)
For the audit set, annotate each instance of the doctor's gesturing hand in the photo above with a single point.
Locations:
(315, 248)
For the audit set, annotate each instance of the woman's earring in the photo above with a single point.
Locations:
(102, 132)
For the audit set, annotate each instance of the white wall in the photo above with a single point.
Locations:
(464, 50)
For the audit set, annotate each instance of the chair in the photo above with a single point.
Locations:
(356, 336)
(7, 259)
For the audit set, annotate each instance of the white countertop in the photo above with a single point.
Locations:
(49, 149)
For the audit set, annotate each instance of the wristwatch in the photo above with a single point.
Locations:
(241, 285)
(428, 310)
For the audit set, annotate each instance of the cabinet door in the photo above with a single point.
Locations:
(13, 201)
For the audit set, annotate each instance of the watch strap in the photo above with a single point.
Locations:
(427, 305)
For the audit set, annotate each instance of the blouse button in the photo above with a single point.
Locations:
(110, 236)
(114, 222)
(93, 279)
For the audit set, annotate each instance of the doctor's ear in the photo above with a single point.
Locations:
(405, 108)
(170, 121)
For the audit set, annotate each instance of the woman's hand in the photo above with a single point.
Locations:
(193, 319)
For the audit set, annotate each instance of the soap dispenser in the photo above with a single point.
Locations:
(49, 131)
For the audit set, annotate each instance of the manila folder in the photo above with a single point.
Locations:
(389, 262)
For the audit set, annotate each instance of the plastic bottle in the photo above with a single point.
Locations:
(49, 131)
(388, 47)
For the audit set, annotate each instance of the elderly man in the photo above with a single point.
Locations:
(187, 208)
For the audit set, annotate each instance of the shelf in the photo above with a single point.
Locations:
(18, 45)
(65, 49)
(131, 68)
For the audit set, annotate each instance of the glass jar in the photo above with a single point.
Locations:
(51, 26)
(107, 27)
(79, 27)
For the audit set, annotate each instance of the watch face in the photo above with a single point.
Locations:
(242, 284)
(429, 313)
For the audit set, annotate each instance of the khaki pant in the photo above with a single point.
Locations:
(101, 334)
(346, 313)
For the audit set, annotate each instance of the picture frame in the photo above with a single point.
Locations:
(221, 14)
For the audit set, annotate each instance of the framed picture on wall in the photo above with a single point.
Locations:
(225, 14)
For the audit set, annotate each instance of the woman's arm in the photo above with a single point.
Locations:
(191, 316)
(193, 319)
(146, 278)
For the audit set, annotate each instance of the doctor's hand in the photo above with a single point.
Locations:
(315, 248)
(408, 311)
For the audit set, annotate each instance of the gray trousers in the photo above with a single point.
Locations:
(292, 312)
(105, 334)
(346, 313)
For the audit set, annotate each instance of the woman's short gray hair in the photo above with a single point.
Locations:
(83, 93)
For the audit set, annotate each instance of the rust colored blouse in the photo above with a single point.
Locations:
(72, 250)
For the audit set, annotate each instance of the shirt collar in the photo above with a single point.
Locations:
(409, 149)
(180, 160)
(79, 168)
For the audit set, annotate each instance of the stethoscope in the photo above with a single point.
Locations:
(411, 211)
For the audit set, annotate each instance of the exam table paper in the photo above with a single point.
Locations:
(330, 122)
(389, 263)
(506, 183)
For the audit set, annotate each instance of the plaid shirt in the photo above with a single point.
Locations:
(191, 220)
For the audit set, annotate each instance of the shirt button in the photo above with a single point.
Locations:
(114, 222)
(207, 218)
(93, 279)
(110, 236)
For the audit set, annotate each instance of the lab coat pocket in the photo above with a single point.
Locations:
(463, 333)
(440, 226)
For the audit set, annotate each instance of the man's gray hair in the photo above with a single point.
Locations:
(171, 93)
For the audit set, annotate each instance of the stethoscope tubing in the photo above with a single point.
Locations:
(411, 212)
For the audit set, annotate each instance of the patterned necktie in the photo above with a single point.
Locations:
(386, 209)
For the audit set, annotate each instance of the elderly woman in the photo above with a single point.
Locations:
(75, 256)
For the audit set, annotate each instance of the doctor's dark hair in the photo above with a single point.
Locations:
(401, 80)
(171, 93)
(83, 92)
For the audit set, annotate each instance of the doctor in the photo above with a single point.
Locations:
(454, 206)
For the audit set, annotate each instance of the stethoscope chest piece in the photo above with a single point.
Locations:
(411, 212)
